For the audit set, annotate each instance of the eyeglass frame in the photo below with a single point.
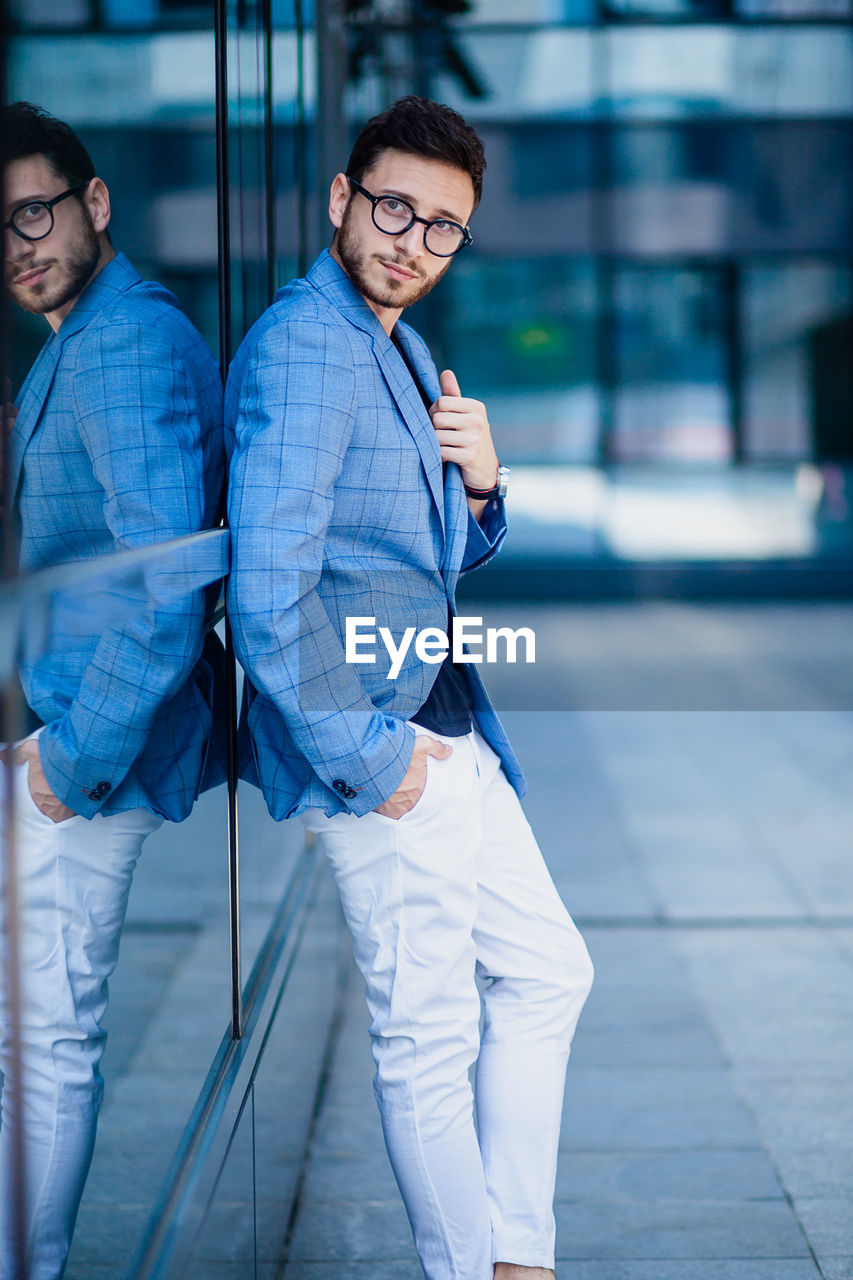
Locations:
(46, 204)
(467, 240)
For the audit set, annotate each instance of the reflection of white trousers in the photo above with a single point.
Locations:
(73, 885)
(456, 885)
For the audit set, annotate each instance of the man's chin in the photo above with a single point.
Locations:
(29, 300)
(400, 293)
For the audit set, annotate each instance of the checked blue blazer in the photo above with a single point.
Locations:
(118, 444)
(338, 508)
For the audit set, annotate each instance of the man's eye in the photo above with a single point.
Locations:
(443, 227)
(390, 205)
(31, 212)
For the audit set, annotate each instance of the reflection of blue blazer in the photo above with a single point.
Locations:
(338, 509)
(118, 444)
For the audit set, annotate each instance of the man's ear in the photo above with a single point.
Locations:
(97, 199)
(339, 196)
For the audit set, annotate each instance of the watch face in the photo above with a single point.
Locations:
(503, 481)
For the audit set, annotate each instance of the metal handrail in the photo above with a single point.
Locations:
(42, 582)
(192, 562)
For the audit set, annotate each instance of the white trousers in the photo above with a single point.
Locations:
(458, 886)
(73, 884)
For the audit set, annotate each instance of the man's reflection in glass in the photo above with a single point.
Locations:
(116, 444)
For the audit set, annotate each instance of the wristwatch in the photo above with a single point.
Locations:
(498, 489)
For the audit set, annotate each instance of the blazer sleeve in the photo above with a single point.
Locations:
(484, 537)
(136, 413)
(293, 410)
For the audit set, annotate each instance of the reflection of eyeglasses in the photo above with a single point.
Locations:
(34, 221)
(395, 216)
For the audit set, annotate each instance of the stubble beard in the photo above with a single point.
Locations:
(396, 294)
(77, 267)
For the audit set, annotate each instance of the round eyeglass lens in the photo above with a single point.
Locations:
(444, 238)
(33, 221)
(392, 216)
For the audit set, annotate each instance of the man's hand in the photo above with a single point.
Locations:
(464, 436)
(411, 788)
(40, 791)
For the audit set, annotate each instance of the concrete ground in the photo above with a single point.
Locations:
(690, 788)
(705, 850)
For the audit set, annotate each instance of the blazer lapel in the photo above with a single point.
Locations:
(456, 508)
(454, 504)
(116, 277)
(30, 402)
(331, 280)
(411, 406)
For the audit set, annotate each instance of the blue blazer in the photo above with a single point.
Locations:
(338, 509)
(118, 444)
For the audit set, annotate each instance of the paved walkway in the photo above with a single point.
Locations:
(706, 853)
(708, 1126)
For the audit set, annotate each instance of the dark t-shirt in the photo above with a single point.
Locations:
(447, 710)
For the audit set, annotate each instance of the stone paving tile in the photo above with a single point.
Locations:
(837, 1268)
(774, 997)
(333, 1177)
(801, 1109)
(820, 1171)
(688, 1046)
(621, 1109)
(685, 1269)
(107, 1234)
(667, 1175)
(828, 1223)
(678, 1229)
(90, 1271)
(148, 963)
(231, 1228)
(590, 856)
(349, 1130)
(348, 1231)
(397, 1269)
(126, 1173)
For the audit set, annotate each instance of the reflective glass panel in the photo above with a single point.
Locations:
(102, 477)
(521, 336)
(671, 398)
(797, 379)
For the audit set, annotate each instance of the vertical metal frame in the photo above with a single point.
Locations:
(223, 225)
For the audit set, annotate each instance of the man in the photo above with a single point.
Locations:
(116, 444)
(360, 488)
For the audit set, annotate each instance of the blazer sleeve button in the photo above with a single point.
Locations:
(101, 790)
(340, 786)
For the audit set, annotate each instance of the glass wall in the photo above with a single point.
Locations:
(196, 117)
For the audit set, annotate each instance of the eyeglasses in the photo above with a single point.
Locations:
(34, 221)
(395, 216)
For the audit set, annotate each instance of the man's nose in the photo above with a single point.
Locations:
(411, 242)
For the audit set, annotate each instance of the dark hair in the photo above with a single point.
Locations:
(31, 131)
(422, 128)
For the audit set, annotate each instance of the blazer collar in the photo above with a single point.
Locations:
(116, 277)
(329, 278)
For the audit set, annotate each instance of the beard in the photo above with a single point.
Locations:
(69, 274)
(356, 261)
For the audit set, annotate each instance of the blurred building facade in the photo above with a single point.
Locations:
(662, 270)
